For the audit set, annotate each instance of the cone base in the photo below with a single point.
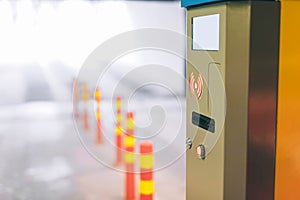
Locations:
(146, 197)
(130, 186)
(86, 121)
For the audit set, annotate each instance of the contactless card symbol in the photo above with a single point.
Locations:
(196, 86)
(199, 86)
(192, 82)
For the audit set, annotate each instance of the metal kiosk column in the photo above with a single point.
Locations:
(231, 133)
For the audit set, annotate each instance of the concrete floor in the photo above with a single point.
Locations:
(42, 156)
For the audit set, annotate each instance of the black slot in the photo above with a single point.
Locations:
(204, 122)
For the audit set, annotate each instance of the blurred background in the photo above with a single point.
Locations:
(43, 45)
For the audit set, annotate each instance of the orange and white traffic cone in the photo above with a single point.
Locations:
(85, 112)
(146, 173)
(99, 134)
(119, 132)
(130, 158)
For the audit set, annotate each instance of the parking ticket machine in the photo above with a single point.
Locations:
(231, 91)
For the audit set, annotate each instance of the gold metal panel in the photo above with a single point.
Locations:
(205, 177)
(241, 164)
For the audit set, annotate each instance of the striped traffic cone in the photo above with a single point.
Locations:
(146, 173)
(130, 158)
(99, 135)
(75, 98)
(85, 112)
(119, 131)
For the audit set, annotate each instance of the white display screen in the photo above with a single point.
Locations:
(206, 32)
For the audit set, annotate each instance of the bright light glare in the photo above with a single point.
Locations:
(66, 31)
